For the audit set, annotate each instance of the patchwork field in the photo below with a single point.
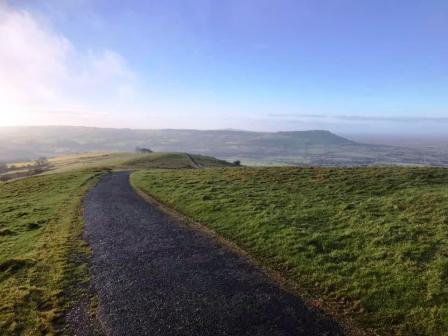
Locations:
(370, 242)
(316, 148)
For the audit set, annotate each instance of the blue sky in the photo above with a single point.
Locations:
(344, 65)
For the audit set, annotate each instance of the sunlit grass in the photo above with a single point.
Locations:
(373, 241)
(121, 161)
(40, 227)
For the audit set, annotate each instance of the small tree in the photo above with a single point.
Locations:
(143, 150)
(237, 163)
(41, 162)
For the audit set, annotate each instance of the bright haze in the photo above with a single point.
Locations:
(348, 66)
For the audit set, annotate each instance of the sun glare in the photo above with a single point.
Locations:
(11, 116)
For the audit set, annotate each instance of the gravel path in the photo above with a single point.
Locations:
(156, 276)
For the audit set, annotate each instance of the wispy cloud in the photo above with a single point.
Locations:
(357, 118)
(43, 73)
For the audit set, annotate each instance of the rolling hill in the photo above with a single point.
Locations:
(367, 243)
(317, 147)
(42, 255)
(113, 161)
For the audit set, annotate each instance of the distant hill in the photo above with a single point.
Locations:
(278, 148)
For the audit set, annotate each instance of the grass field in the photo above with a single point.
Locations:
(371, 242)
(40, 227)
(120, 161)
(171, 161)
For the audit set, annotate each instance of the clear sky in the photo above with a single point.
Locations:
(343, 65)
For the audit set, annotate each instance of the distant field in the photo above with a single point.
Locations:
(372, 242)
(40, 227)
(88, 161)
(314, 147)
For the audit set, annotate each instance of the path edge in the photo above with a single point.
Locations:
(292, 287)
(80, 316)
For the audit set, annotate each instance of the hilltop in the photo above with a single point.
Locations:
(112, 161)
(338, 235)
(317, 147)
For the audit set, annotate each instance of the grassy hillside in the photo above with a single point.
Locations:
(172, 161)
(123, 161)
(40, 227)
(272, 148)
(372, 242)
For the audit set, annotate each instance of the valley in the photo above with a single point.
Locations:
(300, 148)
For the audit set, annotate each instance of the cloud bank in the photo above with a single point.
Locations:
(45, 79)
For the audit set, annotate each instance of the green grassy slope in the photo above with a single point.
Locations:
(40, 225)
(118, 161)
(171, 161)
(132, 161)
(211, 162)
(159, 160)
(89, 161)
(370, 241)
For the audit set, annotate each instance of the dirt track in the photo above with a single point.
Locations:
(155, 276)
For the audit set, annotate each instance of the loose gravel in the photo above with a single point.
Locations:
(154, 275)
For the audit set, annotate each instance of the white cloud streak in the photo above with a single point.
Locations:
(354, 118)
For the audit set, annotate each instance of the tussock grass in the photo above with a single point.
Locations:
(40, 227)
(372, 242)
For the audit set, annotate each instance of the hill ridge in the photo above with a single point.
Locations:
(309, 147)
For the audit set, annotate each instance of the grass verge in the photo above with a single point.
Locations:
(371, 242)
(40, 228)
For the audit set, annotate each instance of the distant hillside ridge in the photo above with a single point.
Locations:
(317, 137)
(314, 147)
